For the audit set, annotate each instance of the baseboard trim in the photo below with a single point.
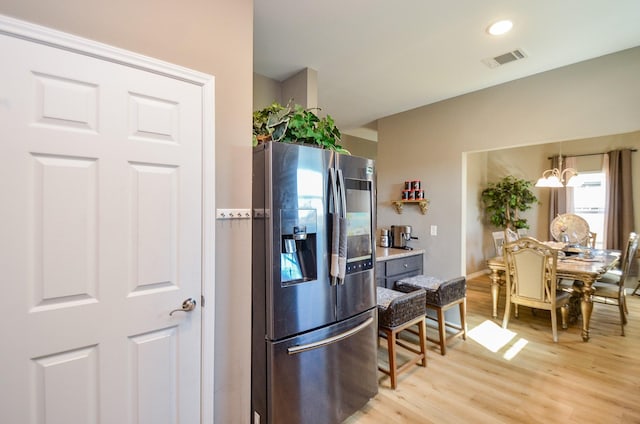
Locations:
(478, 274)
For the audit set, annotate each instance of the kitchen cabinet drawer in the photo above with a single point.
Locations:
(389, 271)
(403, 265)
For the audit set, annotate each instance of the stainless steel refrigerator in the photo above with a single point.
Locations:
(314, 322)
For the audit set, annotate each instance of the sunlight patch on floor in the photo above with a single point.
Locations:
(492, 336)
(515, 349)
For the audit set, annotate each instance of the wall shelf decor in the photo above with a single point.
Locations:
(423, 203)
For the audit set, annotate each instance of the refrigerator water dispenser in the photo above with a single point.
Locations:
(298, 241)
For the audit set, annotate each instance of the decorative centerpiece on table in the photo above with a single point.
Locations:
(295, 124)
(564, 237)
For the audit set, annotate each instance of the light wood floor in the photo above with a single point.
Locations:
(566, 382)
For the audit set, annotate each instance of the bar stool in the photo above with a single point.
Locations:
(441, 296)
(398, 311)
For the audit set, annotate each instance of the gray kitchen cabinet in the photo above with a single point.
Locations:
(390, 269)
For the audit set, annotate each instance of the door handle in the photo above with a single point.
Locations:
(314, 345)
(187, 306)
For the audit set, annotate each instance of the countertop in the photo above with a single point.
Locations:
(386, 253)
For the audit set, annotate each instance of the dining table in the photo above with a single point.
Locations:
(584, 269)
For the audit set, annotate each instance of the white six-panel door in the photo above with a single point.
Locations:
(101, 198)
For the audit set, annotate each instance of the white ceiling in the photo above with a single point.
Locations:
(375, 58)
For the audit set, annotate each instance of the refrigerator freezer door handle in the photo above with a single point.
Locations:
(335, 235)
(342, 255)
(320, 343)
(343, 196)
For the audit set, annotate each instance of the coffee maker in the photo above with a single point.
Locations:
(400, 235)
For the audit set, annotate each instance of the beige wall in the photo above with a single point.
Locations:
(359, 146)
(528, 163)
(265, 92)
(475, 170)
(589, 99)
(215, 37)
(302, 88)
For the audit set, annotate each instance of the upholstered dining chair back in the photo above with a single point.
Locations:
(533, 267)
(614, 276)
(531, 279)
(627, 261)
(498, 241)
(502, 237)
(511, 235)
(610, 289)
(629, 256)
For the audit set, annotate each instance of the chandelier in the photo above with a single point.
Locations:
(558, 177)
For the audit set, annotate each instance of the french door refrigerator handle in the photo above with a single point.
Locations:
(320, 343)
(335, 230)
(343, 196)
(342, 250)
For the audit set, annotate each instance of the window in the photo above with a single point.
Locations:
(589, 202)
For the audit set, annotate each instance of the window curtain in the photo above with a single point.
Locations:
(619, 201)
(605, 171)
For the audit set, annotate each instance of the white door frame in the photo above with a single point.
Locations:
(21, 29)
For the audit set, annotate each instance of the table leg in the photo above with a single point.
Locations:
(586, 307)
(495, 291)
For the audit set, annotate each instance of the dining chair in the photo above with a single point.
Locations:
(502, 237)
(590, 242)
(511, 235)
(531, 280)
(498, 241)
(610, 290)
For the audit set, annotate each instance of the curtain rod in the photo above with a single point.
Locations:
(590, 154)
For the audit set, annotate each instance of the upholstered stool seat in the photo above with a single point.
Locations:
(398, 311)
(440, 296)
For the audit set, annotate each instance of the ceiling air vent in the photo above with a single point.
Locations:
(512, 56)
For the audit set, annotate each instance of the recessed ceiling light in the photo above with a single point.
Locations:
(500, 27)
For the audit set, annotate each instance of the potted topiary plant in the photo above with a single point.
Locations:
(505, 200)
(295, 124)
